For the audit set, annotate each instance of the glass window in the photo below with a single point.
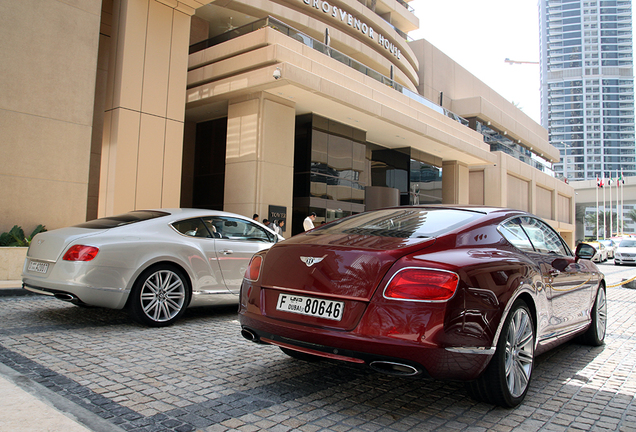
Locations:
(401, 223)
(512, 231)
(123, 219)
(533, 235)
(192, 228)
(237, 229)
(336, 167)
(425, 184)
(543, 237)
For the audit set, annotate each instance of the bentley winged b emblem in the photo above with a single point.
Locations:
(312, 260)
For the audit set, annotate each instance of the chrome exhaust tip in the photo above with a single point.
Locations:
(249, 335)
(392, 368)
(65, 297)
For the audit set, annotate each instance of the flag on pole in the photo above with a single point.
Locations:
(599, 182)
(610, 181)
(620, 180)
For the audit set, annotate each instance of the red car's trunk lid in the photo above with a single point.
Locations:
(342, 272)
(330, 270)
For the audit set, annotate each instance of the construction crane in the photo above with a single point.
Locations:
(519, 62)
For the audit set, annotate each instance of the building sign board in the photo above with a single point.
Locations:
(342, 15)
(276, 213)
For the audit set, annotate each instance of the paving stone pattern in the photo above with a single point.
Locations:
(201, 375)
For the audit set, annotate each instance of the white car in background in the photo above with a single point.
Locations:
(601, 251)
(625, 252)
(154, 263)
(610, 245)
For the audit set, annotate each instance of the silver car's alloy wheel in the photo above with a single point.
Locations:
(162, 295)
(519, 352)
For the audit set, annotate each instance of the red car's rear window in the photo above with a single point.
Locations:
(404, 223)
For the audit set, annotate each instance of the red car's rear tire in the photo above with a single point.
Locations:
(595, 335)
(506, 380)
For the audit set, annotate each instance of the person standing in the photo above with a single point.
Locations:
(278, 226)
(308, 223)
(255, 217)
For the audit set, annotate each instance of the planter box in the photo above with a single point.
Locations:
(11, 262)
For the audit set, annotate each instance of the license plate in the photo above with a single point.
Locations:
(320, 308)
(38, 267)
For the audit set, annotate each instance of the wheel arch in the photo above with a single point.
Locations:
(157, 263)
(525, 294)
(602, 284)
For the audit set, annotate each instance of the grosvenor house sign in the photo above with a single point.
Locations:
(339, 14)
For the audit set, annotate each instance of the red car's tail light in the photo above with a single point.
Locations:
(80, 253)
(422, 285)
(254, 269)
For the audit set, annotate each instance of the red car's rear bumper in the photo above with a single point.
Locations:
(394, 354)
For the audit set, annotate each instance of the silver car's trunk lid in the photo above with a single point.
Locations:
(51, 244)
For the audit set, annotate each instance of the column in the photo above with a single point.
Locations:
(259, 165)
(145, 106)
(455, 177)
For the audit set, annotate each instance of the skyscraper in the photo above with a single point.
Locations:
(587, 86)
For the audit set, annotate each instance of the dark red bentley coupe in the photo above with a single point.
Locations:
(462, 293)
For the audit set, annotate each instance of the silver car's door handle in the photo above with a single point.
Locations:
(227, 252)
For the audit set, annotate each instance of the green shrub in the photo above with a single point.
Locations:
(16, 237)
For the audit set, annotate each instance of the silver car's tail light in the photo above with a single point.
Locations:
(80, 253)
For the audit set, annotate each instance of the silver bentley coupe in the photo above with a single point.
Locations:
(154, 263)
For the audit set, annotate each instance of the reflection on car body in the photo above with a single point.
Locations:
(447, 292)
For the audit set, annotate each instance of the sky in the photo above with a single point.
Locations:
(480, 35)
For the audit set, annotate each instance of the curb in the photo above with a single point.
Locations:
(75, 413)
(16, 292)
(13, 288)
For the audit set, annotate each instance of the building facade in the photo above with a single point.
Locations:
(587, 86)
(275, 107)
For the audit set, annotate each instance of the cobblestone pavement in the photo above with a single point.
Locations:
(199, 374)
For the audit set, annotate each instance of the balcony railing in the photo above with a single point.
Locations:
(327, 50)
(403, 3)
(406, 5)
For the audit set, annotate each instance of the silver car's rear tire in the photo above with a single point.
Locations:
(160, 296)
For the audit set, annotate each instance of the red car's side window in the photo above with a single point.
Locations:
(513, 232)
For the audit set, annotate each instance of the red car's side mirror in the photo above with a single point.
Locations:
(585, 251)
